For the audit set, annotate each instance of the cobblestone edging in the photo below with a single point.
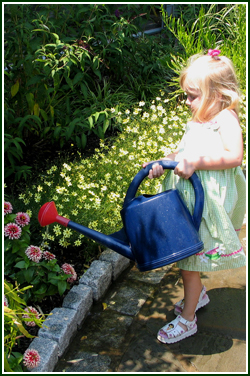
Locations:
(59, 328)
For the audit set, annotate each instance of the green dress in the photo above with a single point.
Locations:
(224, 206)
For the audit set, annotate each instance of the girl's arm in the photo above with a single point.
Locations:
(232, 155)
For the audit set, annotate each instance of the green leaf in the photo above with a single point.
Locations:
(44, 115)
(21, 265)
(77, 78)
(57, 131)
(28, 274)
(34, 80)
(30, 117)
(41, 290)
(15, 247)
(7, 245)
(50, 45)
(69, 130)
(52, 290)
(6, 364)
(83, 140)
(98, 73)
(105, 125)
(52, 112)
(84, 90)
(90, 121)
(36, 109)
(78, 142)
(96, 115)
(69, 82)
(62, 286)
(30, 100)
(14, 89)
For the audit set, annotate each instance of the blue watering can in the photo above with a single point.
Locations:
(158, 229)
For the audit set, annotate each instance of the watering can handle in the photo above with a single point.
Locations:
(198, 189)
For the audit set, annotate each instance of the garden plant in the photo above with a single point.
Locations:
(76, 74)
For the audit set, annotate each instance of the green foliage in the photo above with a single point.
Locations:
(224, 29)
(66, 66)
(15, 325)
(46, 276)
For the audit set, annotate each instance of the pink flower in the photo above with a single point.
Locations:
(31, 358)
(213, 53)
(48, 255)
(12, 230)
(32, 311)
(68, 269)
(6, 303)
(7, 208)
(34, 253)
(22, 219)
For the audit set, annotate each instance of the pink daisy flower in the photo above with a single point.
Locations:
(6, 303)
(31, 358)
(68, 269)
(22, 219)
(7, 208)
(31, 310)
(48, 255)
(34, 253)
(12, 230)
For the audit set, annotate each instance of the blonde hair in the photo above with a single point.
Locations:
(215, 81)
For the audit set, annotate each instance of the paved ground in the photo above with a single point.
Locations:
(120, 333)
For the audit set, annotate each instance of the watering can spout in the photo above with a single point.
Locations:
(118, 241)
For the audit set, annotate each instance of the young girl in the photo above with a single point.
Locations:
(212, 146)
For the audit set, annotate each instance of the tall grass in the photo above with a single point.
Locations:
(224, 30)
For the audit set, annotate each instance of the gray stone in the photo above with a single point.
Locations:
(153, 276)
(129, 299)
(98, 277)
(79, 298)
(48, 351)
(60, 327)
(119, 263)
(88, 362)
(105, 331)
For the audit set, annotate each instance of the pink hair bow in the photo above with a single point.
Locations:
(214, 53)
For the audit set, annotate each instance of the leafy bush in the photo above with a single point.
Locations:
(17, 316)
(27, 264)
(66, 66)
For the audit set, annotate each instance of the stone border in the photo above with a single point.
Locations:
(62, 324)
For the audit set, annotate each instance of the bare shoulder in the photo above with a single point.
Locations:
(228, 121)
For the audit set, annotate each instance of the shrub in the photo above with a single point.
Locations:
(66, 66)
(17, 316)
(27, 264)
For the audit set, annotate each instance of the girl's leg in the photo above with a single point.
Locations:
(185, 323)
(192, 289)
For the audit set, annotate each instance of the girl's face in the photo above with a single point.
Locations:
(193, 100)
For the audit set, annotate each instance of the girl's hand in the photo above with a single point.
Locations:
(156, 171)
(184, 169)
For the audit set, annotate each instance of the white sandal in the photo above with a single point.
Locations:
(203, 300)
(173, 332)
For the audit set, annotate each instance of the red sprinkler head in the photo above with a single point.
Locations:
(48, 214)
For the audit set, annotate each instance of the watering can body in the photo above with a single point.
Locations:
(158, 230)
